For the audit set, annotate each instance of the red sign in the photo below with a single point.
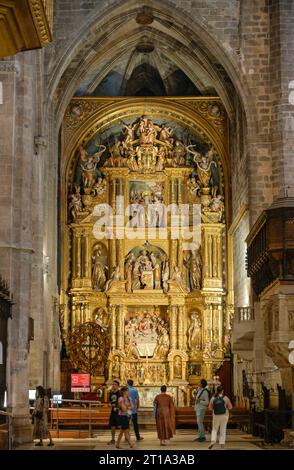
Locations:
(80, 382)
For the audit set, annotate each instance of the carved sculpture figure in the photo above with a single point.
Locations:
(194, 333)
(115, 276)
(98, 271)
(194, 265)
(165, 276)
(75, 204)
(162, 347)
(177, 276)
(115, 367)
(217, 205)
(178, 368)
(88, 165)
(206, 169)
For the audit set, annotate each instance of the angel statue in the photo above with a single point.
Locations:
(75, 204)
(89, 164)
(206, 169)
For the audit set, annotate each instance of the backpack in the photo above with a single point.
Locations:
(219, 406)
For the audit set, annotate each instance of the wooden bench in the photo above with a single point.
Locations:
(186, 417)
(80, 417)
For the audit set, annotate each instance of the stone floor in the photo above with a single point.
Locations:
(183, 440)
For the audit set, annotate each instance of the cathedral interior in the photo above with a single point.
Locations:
(147, 199)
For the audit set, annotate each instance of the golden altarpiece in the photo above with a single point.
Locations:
(144, 212)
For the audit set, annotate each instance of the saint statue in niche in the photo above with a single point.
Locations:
(194, 333)
(98, 271)
(194, 265)
(178, 368)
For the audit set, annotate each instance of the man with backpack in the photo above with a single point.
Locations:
(220, 406)
(201, 403)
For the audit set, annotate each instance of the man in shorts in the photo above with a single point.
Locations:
(114, 395)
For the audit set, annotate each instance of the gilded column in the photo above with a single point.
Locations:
(214, 256)
(220, 325)
(113, 326)
(220, 255)
(113, 194)
(120, 256)
(206, 256)
(78, 255)
(73, 316)
(87, 312)
(180, 254)
(173, 255)
(120, 327)
(173, 327)
(173, 199)
(112, 249)
(74, 255)
(209, 255)
(86, 256)
(180, 327)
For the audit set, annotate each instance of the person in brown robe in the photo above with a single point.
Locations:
(165, 416)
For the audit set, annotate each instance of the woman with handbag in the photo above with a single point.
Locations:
(125, 407)
(40, 417)
(220, 405)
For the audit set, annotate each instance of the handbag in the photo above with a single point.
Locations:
(38, 414)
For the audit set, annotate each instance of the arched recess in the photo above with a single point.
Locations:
(88, 45)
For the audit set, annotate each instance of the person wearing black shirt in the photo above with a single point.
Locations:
(114, 395)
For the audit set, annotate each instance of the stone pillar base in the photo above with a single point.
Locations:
(22, 429)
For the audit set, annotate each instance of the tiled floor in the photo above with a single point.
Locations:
(183, 440)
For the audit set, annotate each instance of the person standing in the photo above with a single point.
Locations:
(114, 395)
(134, 396)
(40, 417)
(220, 406)
(125, 407)
(201, 404)
(164, 409)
